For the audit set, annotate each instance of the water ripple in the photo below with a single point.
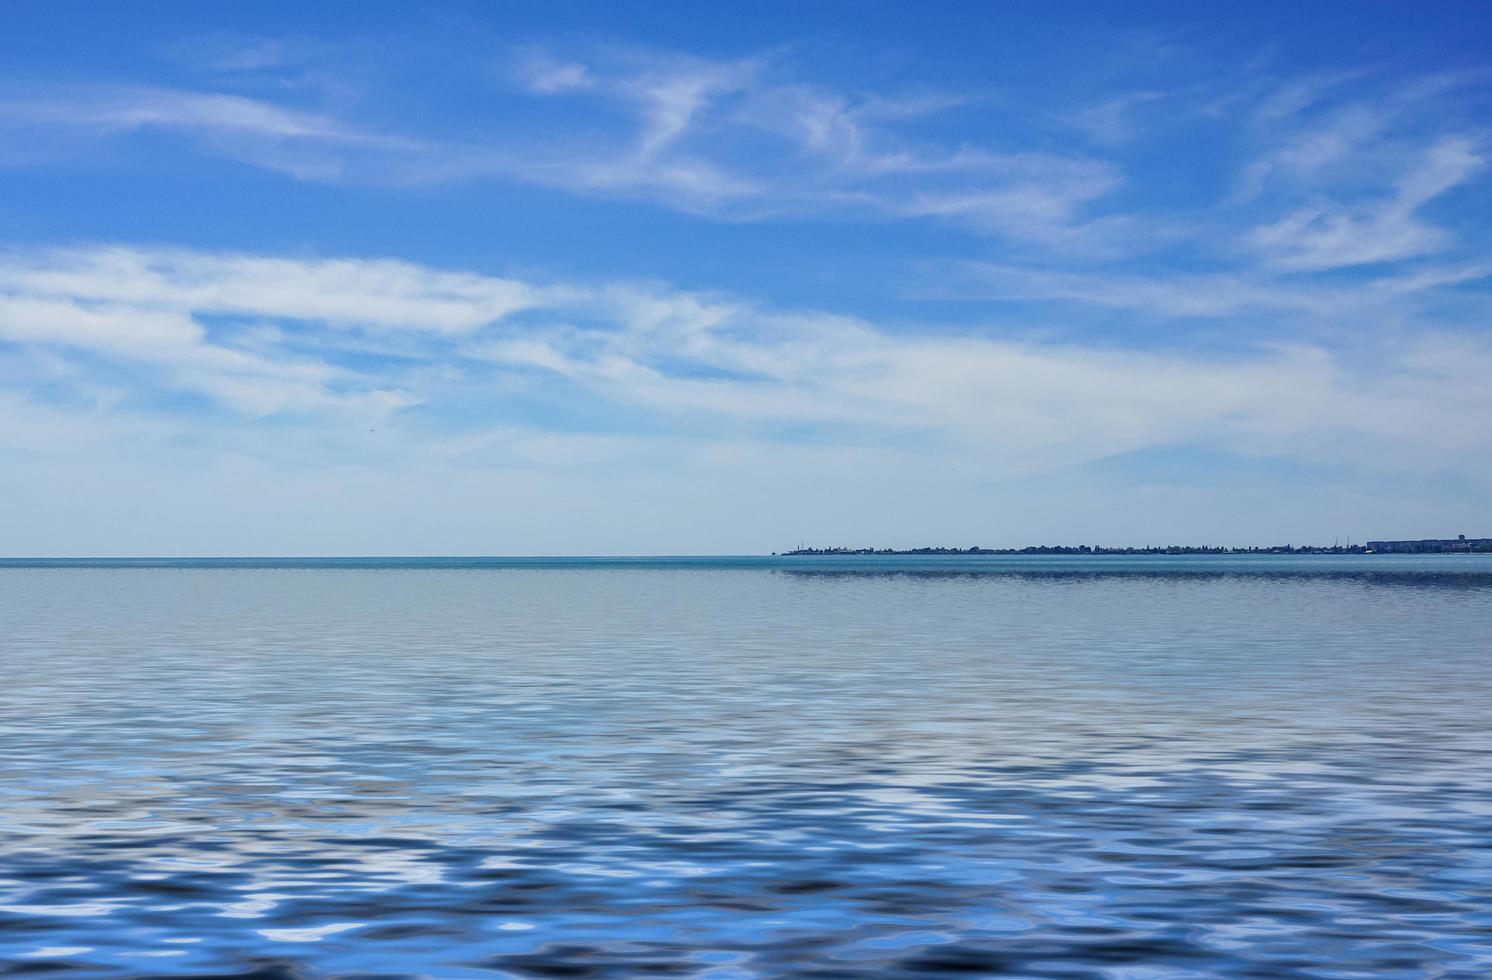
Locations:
(736, 772)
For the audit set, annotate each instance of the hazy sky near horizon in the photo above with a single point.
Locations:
(558, 278)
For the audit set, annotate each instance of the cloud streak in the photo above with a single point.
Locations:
(737, 140)
(1336, 173)
(267, 335)
(1330, 236)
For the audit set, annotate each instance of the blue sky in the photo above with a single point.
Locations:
(637, 278)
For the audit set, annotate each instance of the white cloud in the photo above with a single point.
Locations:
(1214, 295)
(662, 395)
(734, 139)
(1293, 98)
(306, 145)
(812, 150)
(124, 108)
(757, 138)
(1308, 152)
(700, 365)
(376, 293)
(550, 76)
(1328, 235)
(1111, 122)
(1347, 164)
(149, 307)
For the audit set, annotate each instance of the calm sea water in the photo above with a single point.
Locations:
(1128, 768)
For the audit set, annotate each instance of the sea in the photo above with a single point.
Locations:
(1108, 767)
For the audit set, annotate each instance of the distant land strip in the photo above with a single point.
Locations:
(1424, 546)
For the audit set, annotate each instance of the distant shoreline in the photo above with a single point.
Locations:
(1080, 550)
(1424, 546)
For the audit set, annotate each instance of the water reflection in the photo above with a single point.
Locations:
(1472, 578)
(738, 772)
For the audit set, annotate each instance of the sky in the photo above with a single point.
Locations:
(659, 278)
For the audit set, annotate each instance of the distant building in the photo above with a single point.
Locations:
(1433, 546)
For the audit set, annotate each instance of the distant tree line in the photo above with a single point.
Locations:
(1083, 549)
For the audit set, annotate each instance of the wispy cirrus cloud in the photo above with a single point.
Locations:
(54, 121)
(702, 367)
(177, 351)
(744, 139)
(1330, 235)
(1111, 122)
(1217, 295)
(376, 293)
(545, 74)
(1338, 170)
(194, 320)
(1332, 169)
(1348, 164)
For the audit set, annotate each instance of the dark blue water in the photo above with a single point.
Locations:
(1128, 768)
